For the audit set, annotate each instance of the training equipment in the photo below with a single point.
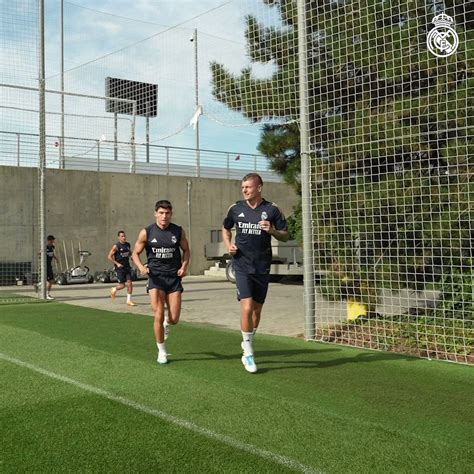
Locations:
(76, 274)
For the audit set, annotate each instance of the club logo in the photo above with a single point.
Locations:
(442, 40)
(174, 239)
(264, 216)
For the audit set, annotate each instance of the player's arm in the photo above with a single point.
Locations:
(138, 249)
(227, 232)
(184, 244)
(111, 256)
(227, 239)
(281, 235)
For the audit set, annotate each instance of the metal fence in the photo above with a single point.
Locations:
(22, 149)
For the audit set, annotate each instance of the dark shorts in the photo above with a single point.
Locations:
(49, 274)
(166, 282)
(253, 286)
(123, 274)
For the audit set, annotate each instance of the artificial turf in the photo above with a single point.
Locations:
(326, 407)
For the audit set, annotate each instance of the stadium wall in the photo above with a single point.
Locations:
(88, 208)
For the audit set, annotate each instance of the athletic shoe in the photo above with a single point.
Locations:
(166, 327)
(249, 363)
(49, 297)
(131, 303)
(113, 292)
(162, 358)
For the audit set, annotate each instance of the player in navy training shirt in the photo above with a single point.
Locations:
(119, 255)
(163, 242)
(256, 221)
(50, 256)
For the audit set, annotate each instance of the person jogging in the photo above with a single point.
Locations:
(256, 221)
(119, 255)
(168, 254)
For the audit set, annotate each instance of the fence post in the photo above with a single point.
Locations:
(255, 163)
(18, 139)
(98, 155)
(309, 295)
(228, 166)
(167, 161)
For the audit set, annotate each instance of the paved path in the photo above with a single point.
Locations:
(212, 300)
(205, 300)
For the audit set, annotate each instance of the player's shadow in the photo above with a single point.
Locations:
(277, 358)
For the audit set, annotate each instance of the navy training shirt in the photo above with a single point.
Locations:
(254, 254)
(122, 254)
(163, 249)
(49, 256)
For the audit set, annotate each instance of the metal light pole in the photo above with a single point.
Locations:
(62, 163)
(309, 306)
(42, 149)
(196, 89)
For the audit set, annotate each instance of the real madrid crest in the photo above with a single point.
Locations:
(264, 216)
(442, 40)
(174, 239)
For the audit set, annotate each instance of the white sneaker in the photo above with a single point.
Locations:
(249, 363)
(162, 358)
(166, 327)
(49, 297)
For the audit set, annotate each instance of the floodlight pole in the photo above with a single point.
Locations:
(115, 137)
(62, 163)
(196, 84)
(42, 150)
(147, 133)
(309, 295)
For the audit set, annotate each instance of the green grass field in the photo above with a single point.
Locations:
(81, 391)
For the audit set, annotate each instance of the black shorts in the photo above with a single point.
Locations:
(49, 274)
(166, 282)
(123, 274)
(252, 285)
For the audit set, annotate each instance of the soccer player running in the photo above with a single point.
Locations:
(167, 251)
(256, 221)
(50, 256)
(119, 255)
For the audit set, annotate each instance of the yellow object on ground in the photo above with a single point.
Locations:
(355, 310)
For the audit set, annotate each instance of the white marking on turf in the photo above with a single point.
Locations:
(189, 425)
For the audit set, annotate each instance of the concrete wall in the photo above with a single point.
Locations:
(90, 207)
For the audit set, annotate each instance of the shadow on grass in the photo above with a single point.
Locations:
(268, 361)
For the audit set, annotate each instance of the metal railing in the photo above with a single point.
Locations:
(22, 149)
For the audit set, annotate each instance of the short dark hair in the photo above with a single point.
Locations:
(120, 232)
(253, 176)
(164, 203)
(50, 237)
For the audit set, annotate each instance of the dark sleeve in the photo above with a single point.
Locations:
(279, 220)
(229, 219)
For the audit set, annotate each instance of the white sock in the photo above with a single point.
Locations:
(129, 296)
(253, 332)
(247, 342)
(161, 347)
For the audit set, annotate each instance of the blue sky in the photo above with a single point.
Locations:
(100, 41)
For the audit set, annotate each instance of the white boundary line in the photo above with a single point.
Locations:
(233, 443)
